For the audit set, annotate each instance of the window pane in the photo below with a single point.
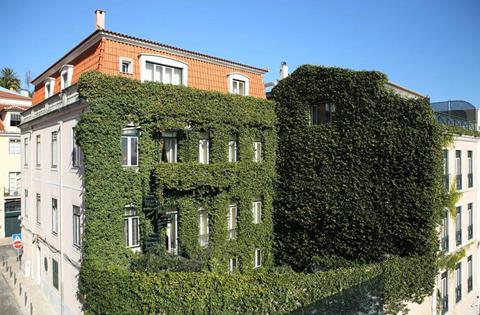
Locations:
(177, 76)
(158, 75)
(133, 150)
(168, 75)
(124, 150)
(126, 232)
(149, 71)
(135, 231)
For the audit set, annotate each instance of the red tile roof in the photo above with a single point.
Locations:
(14, 96)
(13, 107)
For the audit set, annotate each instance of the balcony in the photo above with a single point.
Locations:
(470, 231)
(232, 234)
(11, 193)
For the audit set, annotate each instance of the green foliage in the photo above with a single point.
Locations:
(451, 199)
(364, 186)
(450, 261)
(9, 79)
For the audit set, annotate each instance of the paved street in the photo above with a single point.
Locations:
(8, 304)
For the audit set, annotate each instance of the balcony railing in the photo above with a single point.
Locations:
(470, 180)
(445, 243)
(232, 234)
(470, 231)
(458, 237)
(7, 192)
(203, 240)
(450, 120)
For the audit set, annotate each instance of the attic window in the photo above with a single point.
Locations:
(238, 84)
(49, 85)
(323, 113)
(126, 65)
(66, 74)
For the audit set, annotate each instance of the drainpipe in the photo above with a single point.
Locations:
(60, 210)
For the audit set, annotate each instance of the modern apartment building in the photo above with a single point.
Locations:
(456, 290)
(11, 105)
(52, 163)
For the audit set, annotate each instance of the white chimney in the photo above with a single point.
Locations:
(99, 19)
(283, 70)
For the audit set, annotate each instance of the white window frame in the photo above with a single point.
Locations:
(203, 228)
(238, 77)
(232, 221)
(125, 60)
(54, 216)
(38, 208)
(258, 258)
(204, 151)
(66, 72)
(25, 203)
(131, 219)
(172, 247)
(164, 61)
(25, 152)
(76, 152)
(232, 151)
(14, 146)
(77, 226)
(257, 211)
(54, 149)
(14, 183)
(49, 87)
(15, 114)
(233, 264)
(170, 146)
(257, 151)
(38, 151)
(129, 152)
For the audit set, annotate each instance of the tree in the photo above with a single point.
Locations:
(9, 79)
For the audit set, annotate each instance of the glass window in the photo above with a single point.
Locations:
(469, 273)
(38, 209)
(55, 273)
(445, 232)
(258, 258)
(458, 226)
(232, 151)
(76, 153)
(12, 206)
(458, 168)
(15, 119)
(446, 174)
(203, 151)
(77, 237)
(130, 147)
(232, 222)
(203, 226)
(470, 220)
(38, 151)
(14, 184)
(54, 216)
(257, 151)
(26, 152)
(164, 74)
(233, 264)
(257, 211)
(172, 232)
(444, 292)
(458, 282)
(25, 203)
(470, 169)
(54, 149)
(131, 227)
(14, 146)
(322, 113)
(126, 66)
(170, 150)
(238, 87)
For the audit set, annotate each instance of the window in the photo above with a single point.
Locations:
(257, 211)
(470, 168)
(470, 220)
(37, 151)
(66, 74)
(458, 168)
(458, 226)
(203, 151)
(55, 273)
(458, 282)
(444, 292)
(14, 146)
(164, 74)
(76, 153)
(14, 184)
(233, 265)
(203, 225)
(131, 227)
(258, 258)
(232, 222)
(77, 237)
(54, 149)
(25, 203)
(54, 216)
(322, 113)
(26, 154)
(15, 119)
(257, 151)
(469, 274)
(445, 232)
(38, 209)
(126, 65)
(162, 69)
(238, 84)
(12, 205)
(130, 147)
(169, 147)
(49, 85)
(446, 175)
(172, 232)
(232, 150)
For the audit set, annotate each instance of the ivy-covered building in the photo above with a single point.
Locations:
(177, 155)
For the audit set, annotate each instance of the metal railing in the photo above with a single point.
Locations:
(450, 120)
(7, 192)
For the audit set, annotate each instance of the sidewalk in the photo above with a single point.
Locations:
(26, 291)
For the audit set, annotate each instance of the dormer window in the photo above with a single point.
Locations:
(126, 65)
(238, 84)
(49, 85)
(66, 74)
(161, 69)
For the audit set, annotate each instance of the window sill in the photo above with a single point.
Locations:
(77, 248)
(53, 169)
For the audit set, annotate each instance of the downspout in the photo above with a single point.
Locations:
(60, 216)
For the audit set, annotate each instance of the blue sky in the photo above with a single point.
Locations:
(431, 46)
